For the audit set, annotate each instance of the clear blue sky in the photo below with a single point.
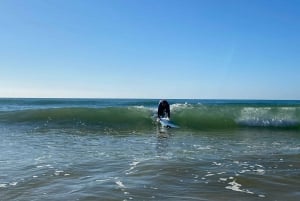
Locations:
(240, 49)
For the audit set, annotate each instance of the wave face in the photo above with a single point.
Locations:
(140, 114)
(233, 116)
(117, 118)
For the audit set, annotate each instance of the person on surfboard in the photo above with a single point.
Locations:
(163, 109)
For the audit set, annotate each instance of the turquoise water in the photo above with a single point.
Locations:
(113, 149)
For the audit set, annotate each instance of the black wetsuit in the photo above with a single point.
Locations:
(163, 109)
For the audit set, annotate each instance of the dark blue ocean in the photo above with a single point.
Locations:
(113, 149)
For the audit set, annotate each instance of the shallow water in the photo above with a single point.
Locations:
(39, 162)
(173, 165)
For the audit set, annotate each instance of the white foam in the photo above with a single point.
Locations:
(218, 164)
(58, 172)
(244, 171)
(102, 180)
(132, 167)
(178, 106)
(223, 179)
(138, 107)
(13, 183)
(237, 187)
(120, 184)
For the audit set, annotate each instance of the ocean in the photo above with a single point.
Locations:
(113, 149)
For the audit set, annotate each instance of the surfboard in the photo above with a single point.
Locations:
(165, 122)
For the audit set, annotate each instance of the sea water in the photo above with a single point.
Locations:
(113, 149)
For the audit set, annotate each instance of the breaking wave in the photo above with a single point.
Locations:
(194, 117)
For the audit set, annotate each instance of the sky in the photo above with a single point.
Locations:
(198, 49)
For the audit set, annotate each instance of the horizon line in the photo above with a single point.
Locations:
(250, 99)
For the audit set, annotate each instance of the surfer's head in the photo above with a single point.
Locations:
(164, 102)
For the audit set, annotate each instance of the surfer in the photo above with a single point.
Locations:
(163, 109)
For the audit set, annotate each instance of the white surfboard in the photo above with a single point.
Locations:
(165, 122)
